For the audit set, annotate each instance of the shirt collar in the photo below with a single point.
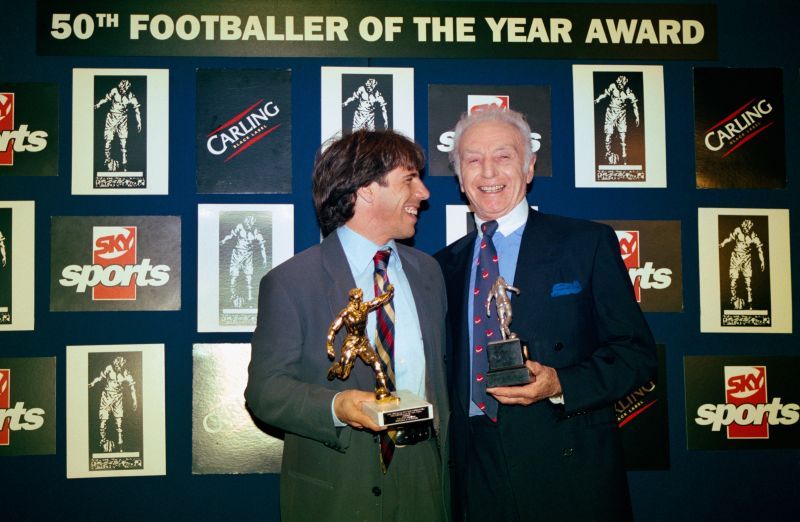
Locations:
(360, 250)
(510, 222)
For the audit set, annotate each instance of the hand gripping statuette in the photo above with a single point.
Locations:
(506, 357)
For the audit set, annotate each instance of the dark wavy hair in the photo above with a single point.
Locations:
(354, 161)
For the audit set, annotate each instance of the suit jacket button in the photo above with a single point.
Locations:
(376, 491)
(567, 452)
(559, 346)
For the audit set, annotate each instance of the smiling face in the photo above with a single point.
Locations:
(493, 174)
(392, 208)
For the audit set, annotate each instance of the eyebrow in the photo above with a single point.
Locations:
(501, 148)
(504, 148)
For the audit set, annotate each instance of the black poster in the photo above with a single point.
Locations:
(642, 416)
(744, 271)
(115, 411)
(368, 101)
(6, 278)
(27, 406)
(120, 131)
(28, 129)
(742, 402)
(446, 104)
(244, 131)
(114, 263)
(619, 116)
(651, 251)
(739, 128)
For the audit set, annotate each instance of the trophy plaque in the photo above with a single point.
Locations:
(389, 408)
(400, 407)
(506, 357)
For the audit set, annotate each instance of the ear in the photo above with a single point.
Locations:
(529, 174)
(365, 194)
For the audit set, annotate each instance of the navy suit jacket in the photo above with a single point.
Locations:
(577, 312)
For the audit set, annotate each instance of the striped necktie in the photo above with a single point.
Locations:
(384, 340)
(384, 346)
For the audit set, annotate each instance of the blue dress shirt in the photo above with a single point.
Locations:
(409, 354)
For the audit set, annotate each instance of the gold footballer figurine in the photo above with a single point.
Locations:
(356, 344)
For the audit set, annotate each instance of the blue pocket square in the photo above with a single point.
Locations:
(560, 289)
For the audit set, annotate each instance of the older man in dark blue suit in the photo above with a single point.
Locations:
(550, 448)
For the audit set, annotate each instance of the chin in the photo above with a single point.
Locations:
(406, 233)
(487, 215)
(490, 207)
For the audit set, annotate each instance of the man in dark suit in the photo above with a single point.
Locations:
(367, 192)
(548, 449)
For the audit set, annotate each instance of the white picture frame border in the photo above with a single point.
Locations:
(208, 256)
(780, 269)
(23, 262)
(152, 388)
(156, 120)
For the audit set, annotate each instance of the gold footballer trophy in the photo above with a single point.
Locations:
(389, 409)
(506, 357)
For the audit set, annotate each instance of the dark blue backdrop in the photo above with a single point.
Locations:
(699, 485)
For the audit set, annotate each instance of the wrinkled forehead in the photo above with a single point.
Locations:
(491, 136)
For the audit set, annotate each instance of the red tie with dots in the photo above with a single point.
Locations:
(484, 329)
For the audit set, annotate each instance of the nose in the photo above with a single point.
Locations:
(487, 169)
(422, 191)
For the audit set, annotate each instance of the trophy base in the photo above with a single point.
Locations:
(407, 408)
(509, 377)
(507, 364)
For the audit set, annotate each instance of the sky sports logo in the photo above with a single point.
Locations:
(476, 102)
(18, 417)
(114, 246)
(747, 413)
(5, 403)
(6, 125)
(115, 273)
(16, 139)
(642, 277)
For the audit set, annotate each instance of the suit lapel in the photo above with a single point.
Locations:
(537, 266)
(457, 272)
(536, 248)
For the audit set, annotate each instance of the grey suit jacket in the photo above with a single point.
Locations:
(329, 473)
